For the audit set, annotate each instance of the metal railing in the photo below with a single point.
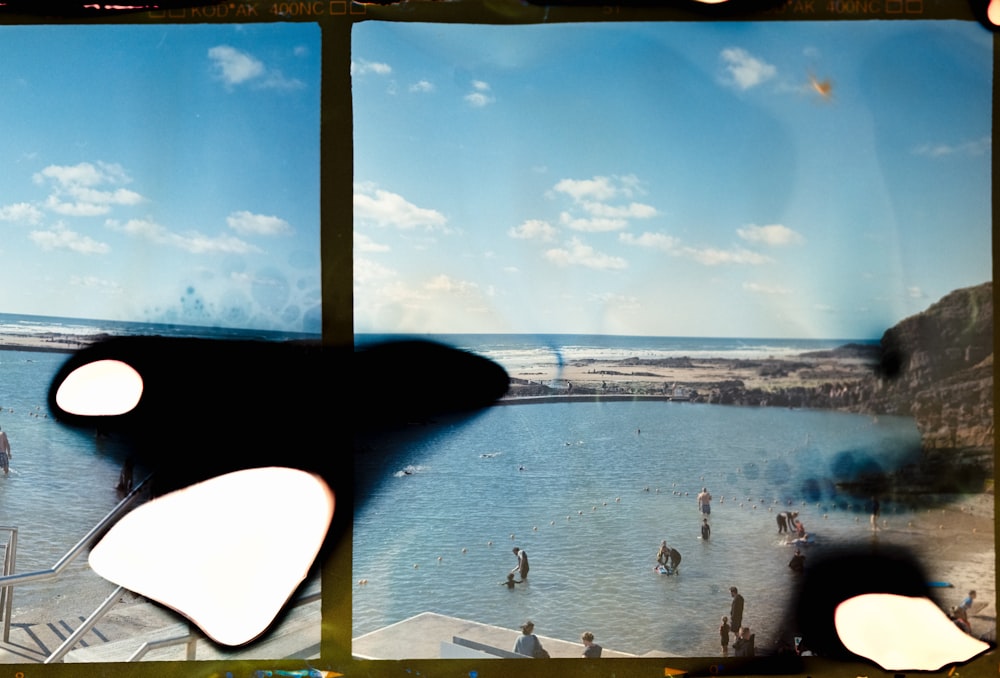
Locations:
(6, 592)
(87, 624)
(8, 581)
(191, 638)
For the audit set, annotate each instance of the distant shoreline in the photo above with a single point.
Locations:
(691, 379)
(48, 343)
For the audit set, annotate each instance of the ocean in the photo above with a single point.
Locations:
(590, 489)
(520, 351)
(62, 480)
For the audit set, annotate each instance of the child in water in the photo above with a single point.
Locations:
(509, 583)
(724, 636)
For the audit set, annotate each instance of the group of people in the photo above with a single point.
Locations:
(960, 613)
(521, 568)
(668, 558)
(788, 522)
(743, 644)
(529, 645)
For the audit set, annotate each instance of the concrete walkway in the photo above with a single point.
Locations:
(420, 637)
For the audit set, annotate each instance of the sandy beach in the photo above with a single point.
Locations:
(637, 376)
(49, 341)
(957, 544)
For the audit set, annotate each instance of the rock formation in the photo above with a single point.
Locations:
(937, 366)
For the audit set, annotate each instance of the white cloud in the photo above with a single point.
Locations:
(422, 86)
(714, 257)
(139, 227)
(21, 212)
(443, 284)
(772, 234)
(363, 67)
(236, 67)
(61, 238)
(633, 210)
(248, 223)
(708, 256)
(576, 253)
(478, 99)
(193, 242)
(534, 229)
(75, 209)
(233, 66)
(659, 241)
(384, 208)
(745, 70)
(480, 96)
(591, 224)
(362, 243)
(915, 292)
(759, 288)
(975, 147)
(592, 196)
(598, 188)
(82, 174)
(366, 271)
(86, 189)
(197, 243)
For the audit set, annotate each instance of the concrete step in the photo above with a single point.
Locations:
(297, 637)
(38, 640)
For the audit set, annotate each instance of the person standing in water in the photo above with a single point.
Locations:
(736, 610)
(522, 563)
(510, 582)
(724, 636)
(5, 454)
(705, 501)
(706, 529)
(663, 554)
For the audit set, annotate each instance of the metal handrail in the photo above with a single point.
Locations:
(191, 638)
(11, 580)
(6, 592)
(88, 624)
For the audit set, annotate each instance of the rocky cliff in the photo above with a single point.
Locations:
(937, 366)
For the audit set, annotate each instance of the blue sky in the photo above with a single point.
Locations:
(162, 173)
(680, 179)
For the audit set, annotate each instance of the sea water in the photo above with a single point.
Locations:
(589, 490)
(517, 352)
(63, 480)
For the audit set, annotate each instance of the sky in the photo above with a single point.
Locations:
(779, 180)
(162, 174)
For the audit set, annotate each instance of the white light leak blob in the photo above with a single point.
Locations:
(903, 633)
(226, 553)
(100, 388)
